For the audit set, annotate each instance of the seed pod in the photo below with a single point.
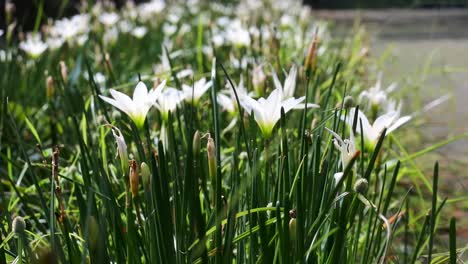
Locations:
(145, 175)
(348, 102)
(211, 153)
(311, 56)
(361, 186)
(196, 145)
(93, 227)
(64, 71)
(134, 178)
(292, 229)
(49, 87)
(18, 225)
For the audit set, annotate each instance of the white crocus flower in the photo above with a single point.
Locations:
(347, 147)
(371, 132)
(268, 111)
(139, 32)
(193, 94)
(71, 29)
(377, 97)
(289, 85)
(121, 146)
(168, 102)
(138, 107)
(237, 34)
(227, 98)
(108, 18)
(33, 45)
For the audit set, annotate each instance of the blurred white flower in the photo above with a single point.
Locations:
(347, 147)
(168, 102)
(138, 107)
(169, 29)
(72, 30)
(371, 133)
(267, 112)
(218, 40)
(55, 42)
(227, 98)
(125, 26)
(147, 11)
(1, 32)
(289, 85)
(111, 35)
(108, 18)
(376, 96)
(33, 45)
(139, 32)
(237, 34)
(121, 146)
(193, 94)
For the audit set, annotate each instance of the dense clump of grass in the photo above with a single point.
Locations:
(197, 192)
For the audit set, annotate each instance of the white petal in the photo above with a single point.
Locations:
(401, 121)
(335, 135)
(309, 105)
(291, 102)
(115, 103)
(226, 102)
(384, 121)
(338, 177)
(276, 81)
(290, 83)
(140, 94)
(154, 94)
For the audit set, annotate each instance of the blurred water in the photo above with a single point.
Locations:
(429, 48)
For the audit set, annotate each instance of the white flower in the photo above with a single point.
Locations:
(346, 147)
(72, 30)
(168, 102)
(108, 18)
(121, 146)
(289, 84)
(139, 32)
(390, 121)
(193, 94)
(125, 26)
(237, 34)
(147, 11)
(377, 97)
(227, 98)
(110, 36)
(268, 111)
(55, 42)
(169, 29)
(138, 107)
(33, 45)
(226, 102)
